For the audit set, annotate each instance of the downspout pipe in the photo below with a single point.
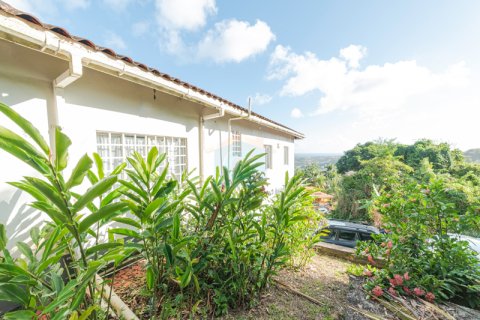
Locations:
(73, 73)
(219, 114)
(230, 127)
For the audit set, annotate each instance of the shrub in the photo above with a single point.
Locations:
(422, 256)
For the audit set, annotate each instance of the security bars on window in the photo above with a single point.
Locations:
(268, 156)
(236, 144)
(114, 148)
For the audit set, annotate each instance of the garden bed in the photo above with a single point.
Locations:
(324, 279)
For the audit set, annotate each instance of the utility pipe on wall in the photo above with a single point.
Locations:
(230, 128)
(219, 114)
(74, 72)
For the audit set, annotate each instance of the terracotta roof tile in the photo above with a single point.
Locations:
(64, 33)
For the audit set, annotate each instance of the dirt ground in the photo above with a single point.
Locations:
(324, 279)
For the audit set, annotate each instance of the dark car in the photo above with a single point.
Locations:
(344, 233)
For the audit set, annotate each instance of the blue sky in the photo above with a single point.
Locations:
(342, 72)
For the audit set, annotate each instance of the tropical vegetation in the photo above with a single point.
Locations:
(207, 245)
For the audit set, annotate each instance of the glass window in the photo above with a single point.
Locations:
(285, 155)
(268, 156)
(346, 235)
(114, 148)
(236, 144)
(366, 236)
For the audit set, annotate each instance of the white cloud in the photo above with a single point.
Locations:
(140, 28)
(261, 99)
(76, 4)
(353, 54)
(24, 5)
(235, 41)
(375, 88)
(114, 41)
(296, 113)
(184, 14)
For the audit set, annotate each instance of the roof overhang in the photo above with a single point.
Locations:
(24, 29)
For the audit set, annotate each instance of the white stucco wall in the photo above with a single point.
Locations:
(99, 102)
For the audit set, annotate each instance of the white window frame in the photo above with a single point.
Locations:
(236, 144)
(268, 156)
(286, 155)
(120, 145)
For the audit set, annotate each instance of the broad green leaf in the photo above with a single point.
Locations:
(79, 172)
(3, 237)
(94, 191)
(19, 315)
(49, 192)
(128, 221)
(150, 277)
(126, 232)
(27, 126)
(105, 212)
(14, 293)
(62, 142)
(99, 163)
(153, 206)
(102, 247)
(26, 251)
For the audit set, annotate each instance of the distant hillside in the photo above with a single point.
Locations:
(322, 159)
(473, 155)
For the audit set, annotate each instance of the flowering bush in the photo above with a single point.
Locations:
(421, 258)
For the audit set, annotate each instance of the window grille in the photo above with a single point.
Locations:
(236, 144)
(268, 157)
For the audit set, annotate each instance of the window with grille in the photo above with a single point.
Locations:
(285, 155)
(268, 156)
(114, 148)
(236, 144)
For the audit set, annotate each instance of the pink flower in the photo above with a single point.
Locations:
(367, 273)
(418, 292)
(392, 291)
(370, 259)
(389, 244)
(392, 281)
(386, 205)
(377, 291)
(430, 297)
(387, 252)
(407, 290)
(406, 276)
(383, 244)
(398, 279)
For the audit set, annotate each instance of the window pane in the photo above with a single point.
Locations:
(102, 138)
(129, 140)
(117, 151)
(346, 235)
(116, 138)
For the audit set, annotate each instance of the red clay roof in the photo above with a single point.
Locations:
(5, 7)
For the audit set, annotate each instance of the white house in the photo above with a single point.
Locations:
(110, 104)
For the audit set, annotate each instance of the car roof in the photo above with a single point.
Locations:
(340, 224)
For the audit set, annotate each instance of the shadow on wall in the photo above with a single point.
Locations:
(18, 218)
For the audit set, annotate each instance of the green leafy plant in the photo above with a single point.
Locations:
(55, 274)
(422, 255)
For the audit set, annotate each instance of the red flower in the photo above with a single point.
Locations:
(389, 244)
(377, 291)
(392, 281)
(407, 290)
(418, 292)
(392, 292)
(406, 276)
(398, 279)
(367, 273)
(370, 259)
(430, 297)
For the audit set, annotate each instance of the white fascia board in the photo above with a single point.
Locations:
(51, 43)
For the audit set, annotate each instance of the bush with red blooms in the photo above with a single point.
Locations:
(421, 256)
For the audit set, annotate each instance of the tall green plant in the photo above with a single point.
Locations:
(37, 284)
(155, 224)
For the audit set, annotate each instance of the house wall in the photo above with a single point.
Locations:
(99, 102)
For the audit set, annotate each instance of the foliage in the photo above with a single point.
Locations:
(422, 256)
(55, 277)
(218, 242)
